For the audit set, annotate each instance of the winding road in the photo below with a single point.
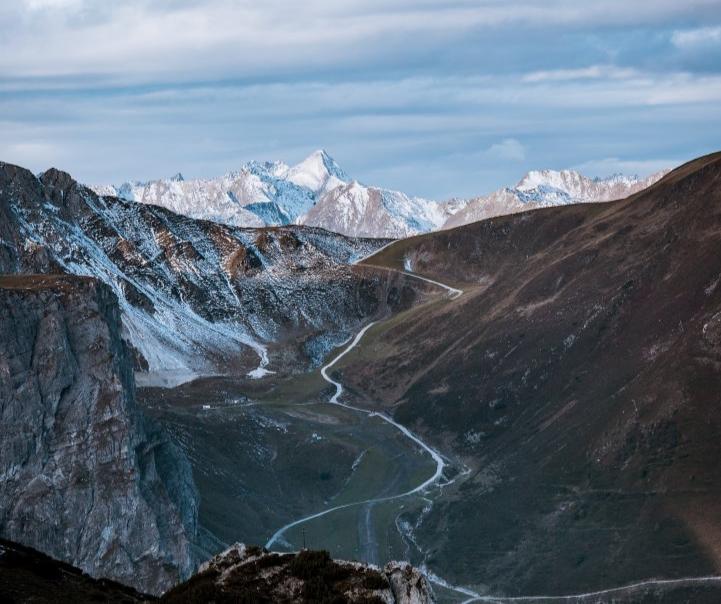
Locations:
(470, 595)
(435, 455)
(335, 400)
(580, 597)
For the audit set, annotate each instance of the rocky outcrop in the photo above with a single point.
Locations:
(27, 575)
(84, 476)
(252, 574)
(408, 584)
(240, 574)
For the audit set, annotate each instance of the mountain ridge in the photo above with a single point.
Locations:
(234, 291)
(318, 192)
(549, 188)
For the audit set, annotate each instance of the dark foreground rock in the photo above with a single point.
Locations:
(251, 574)
(240, 574)
(247, 574)
(84, 476)
(27, 575)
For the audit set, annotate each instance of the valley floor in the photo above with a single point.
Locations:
(312, 470)
(303, 464)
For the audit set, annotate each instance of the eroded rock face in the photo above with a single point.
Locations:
(251, 574)
(84, 476)
(408, 584)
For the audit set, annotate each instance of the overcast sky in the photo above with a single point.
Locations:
(435, 98)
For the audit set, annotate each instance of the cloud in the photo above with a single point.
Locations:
(429, 96)
(148, 41)
(508, 149)
(695, 38)
(39, 5)
(593, 72)
(452, 135)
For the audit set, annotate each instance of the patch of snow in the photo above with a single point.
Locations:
(164, 379)
(259, 372)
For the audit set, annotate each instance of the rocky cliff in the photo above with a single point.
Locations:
(84, 476)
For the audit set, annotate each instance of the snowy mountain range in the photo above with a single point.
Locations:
(546, 188)
(317, 192)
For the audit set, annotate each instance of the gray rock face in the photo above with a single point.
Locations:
(84, 476)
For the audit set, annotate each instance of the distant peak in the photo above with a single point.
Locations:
(618, 177)
(177, 177)
(56, 178)
(316, 171)
(320, 157)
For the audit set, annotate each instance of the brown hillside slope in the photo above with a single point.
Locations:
(580, 377)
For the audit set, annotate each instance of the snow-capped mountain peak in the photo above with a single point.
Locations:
(577, 186)
(317, 172)
(544, 188)
(558, 179)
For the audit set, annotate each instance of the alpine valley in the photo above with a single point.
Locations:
(386, 398)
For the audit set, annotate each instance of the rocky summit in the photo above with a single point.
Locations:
(304, 577)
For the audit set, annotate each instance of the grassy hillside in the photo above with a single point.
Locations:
(579, 376)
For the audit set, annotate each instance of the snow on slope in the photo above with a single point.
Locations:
(195, 296)
(545, 188)
(359, 211)
(318, 172)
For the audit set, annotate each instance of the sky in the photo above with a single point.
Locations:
(434, 98)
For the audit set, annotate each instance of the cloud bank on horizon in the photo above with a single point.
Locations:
(432, 97)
